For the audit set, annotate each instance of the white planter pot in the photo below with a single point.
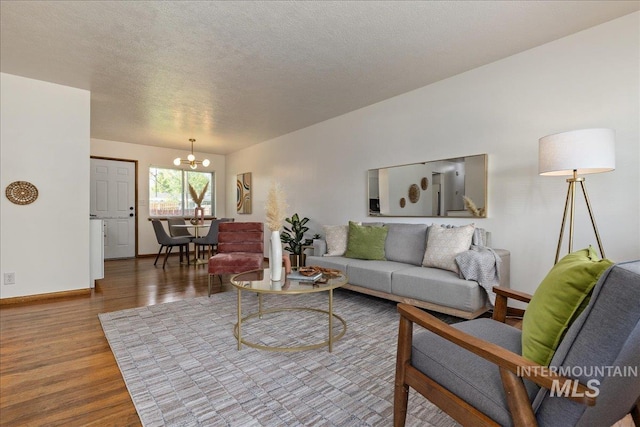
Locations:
(275, 256)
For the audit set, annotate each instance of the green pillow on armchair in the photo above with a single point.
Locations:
(558, 301)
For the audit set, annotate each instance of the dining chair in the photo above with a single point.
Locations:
(178, 231)
(240, 249)
(168, 242)
(210, 240)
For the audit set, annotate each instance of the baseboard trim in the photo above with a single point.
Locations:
(47, 296)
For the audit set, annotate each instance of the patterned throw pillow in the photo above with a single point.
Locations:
(444, 244)
(336, 238)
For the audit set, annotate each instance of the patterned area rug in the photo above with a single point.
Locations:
(182, 367)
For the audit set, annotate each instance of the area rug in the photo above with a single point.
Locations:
(182, 367)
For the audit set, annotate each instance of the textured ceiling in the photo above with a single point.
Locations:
(236, 73)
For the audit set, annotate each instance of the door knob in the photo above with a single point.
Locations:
(130, 214)
(130, 208)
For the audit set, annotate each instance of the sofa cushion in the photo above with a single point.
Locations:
(558, 301)
(438, 286)
(336, 238)
(366, 242)
(335, 262)
(375, 275)
(444, 244)
(406, 243)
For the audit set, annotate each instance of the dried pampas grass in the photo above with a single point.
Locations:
(198, 198)
(471, 207)
(276, 207)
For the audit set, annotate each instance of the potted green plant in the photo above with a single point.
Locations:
(293, 238)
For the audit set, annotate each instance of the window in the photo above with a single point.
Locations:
(169, 192)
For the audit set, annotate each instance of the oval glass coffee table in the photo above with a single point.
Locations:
(258, 281)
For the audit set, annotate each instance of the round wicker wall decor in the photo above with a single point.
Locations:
(21, 192)
(414, 193)
(424, 183)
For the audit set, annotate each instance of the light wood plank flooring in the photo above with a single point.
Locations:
(56, 368)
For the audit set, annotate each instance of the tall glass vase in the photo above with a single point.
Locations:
(275, 256)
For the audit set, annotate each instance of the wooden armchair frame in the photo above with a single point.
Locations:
(508, 362)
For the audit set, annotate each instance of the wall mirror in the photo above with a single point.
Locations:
(451, 187)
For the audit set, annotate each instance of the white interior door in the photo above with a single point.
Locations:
(113, 201)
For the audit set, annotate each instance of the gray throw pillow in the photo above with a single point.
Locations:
(406, 243)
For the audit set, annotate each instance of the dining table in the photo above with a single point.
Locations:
(196, 259)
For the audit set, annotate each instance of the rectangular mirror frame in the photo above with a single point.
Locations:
(431, 189)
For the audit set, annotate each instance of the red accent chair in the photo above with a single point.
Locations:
(240, 249)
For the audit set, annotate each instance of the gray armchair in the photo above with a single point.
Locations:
(474, 370)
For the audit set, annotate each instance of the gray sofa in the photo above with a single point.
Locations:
(402, 278)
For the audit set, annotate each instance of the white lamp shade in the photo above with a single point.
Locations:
(205, 162)
(176, 161)
(585, 151)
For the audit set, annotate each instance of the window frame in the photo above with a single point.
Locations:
(185, 199)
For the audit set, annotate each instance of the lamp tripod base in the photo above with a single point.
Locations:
(570, 207)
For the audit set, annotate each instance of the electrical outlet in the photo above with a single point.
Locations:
(9, 278)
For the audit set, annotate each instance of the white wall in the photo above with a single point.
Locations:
(590, 79)
(162, 157)
(44, 139)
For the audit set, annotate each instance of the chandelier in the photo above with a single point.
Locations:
(191, 159)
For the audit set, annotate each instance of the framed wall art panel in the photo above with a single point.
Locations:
(244, 193)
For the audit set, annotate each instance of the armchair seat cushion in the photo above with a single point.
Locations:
(474, 379)
(227, 263)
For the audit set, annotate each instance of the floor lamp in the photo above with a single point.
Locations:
(574, 153)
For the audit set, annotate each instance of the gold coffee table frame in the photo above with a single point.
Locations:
(257, 281)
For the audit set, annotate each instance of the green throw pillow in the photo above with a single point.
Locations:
(558, 301)
(366, 242)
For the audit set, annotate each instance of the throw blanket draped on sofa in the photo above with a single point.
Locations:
(481, 264)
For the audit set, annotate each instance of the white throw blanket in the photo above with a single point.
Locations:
(481, 264)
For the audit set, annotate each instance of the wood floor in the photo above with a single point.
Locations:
(56, 368)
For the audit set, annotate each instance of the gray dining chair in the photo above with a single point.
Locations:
(210, 240)
(178, 231)
(168, 242)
